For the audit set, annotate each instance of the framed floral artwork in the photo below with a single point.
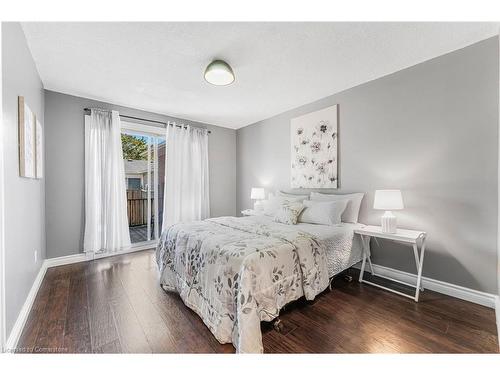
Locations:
(314, 140)
(39, 149)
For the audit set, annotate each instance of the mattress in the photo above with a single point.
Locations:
(343, 247)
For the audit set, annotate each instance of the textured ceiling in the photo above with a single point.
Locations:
(278, 66)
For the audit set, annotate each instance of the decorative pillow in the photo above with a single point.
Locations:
(288, 212)
(273, 203)
(351, 212)
(326, 213)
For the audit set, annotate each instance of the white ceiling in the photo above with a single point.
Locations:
(278, 66)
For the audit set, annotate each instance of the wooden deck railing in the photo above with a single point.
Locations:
(137, 207)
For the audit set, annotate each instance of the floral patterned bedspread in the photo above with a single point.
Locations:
(236, 272)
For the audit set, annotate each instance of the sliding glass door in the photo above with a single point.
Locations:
(144, 161)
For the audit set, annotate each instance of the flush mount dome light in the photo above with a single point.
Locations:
(219, 73)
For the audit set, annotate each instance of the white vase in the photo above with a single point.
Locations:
(389, 222)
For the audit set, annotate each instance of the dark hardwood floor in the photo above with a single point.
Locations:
(115, 305)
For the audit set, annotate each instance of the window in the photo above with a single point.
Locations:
(144, 163)
(134, 184)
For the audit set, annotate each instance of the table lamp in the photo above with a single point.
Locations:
(257, 194)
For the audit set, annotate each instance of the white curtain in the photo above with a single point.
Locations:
(186, 195)
(106, 223)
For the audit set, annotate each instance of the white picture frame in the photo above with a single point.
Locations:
(314, 149)
(39, 150)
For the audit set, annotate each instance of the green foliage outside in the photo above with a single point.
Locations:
(134, 148)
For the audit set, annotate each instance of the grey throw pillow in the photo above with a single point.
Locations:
(288, 213)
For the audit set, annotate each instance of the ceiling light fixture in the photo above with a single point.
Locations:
(219, 73)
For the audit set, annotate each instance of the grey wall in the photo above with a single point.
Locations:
(430, 130)
(24, 198)
(65, 168)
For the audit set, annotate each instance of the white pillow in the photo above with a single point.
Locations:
(273, 203)
(288, 213)
(326, 213)
(351, 212)
(292, 196)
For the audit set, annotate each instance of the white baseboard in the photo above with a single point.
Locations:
(17, 330)
(497, 309)
(68, 259)
(457, 291)
(84, 257)
(141, 247)
(497, 313)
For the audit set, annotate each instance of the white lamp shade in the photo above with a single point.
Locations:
(258, 193)
(388, 200)
(219, 73)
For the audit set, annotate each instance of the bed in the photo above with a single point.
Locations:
(236, 272)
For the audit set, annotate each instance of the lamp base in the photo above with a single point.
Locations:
(389, 222)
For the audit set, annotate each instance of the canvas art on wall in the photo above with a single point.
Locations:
(314, 149)
(27, 167)
(39, 149)
(30, 142)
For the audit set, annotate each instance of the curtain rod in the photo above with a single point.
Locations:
(154, 121)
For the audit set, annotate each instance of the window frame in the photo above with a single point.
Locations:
(141, 129)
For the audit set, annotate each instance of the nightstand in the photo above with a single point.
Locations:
(413, 238)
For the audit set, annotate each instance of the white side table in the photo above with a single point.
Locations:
(411, 237)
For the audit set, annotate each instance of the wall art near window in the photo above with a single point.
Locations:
(27, 158)
(314, 149)
(39, 149)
